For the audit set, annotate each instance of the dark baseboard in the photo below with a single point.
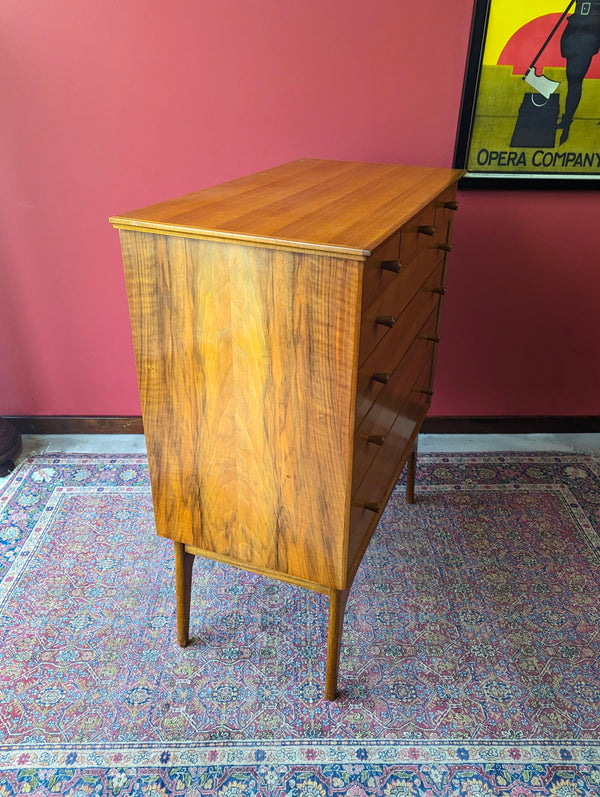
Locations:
(525, 424)
(513, 424)
(71, 424)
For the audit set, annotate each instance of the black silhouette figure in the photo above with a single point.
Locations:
(579, 43)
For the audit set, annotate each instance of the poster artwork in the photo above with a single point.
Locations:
(537, 107)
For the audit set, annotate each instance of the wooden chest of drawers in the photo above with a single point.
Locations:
(285, 327)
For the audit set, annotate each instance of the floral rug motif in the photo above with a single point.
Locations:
(470, 659)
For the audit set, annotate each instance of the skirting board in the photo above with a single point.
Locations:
(71, 424)
(550, 424)
(513, 424)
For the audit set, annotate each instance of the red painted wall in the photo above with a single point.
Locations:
(521, 318)
(113, 104)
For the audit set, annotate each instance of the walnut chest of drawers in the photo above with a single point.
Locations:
(285, 327)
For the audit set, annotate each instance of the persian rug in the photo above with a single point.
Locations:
(470, 660)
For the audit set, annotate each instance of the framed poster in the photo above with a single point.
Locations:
(530, 112)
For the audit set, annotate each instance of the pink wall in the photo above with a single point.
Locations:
(521, 327)
(113, 104)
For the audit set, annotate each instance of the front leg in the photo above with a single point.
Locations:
(183, 590)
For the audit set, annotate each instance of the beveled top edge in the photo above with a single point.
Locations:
(217, 235)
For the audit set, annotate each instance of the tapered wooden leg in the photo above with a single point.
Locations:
(183, 588)
(411, 470)
(337, 605)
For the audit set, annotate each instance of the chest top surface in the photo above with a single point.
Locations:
(338, 206)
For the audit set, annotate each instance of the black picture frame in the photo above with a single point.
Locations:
(480, 169)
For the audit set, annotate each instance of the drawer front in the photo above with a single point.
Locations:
(417, 234)
(383, 314)
(394, 268)
(383, 472)
(381, 269)
(373, 373)
(372, 434)
(445, 208)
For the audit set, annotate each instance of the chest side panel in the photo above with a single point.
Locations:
(246, 363)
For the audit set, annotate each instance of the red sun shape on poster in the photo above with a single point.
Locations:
(523, 46)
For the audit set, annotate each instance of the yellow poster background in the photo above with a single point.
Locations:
(501, 93)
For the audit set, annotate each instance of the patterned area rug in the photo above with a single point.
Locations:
(470, 661)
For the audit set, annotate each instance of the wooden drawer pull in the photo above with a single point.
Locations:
(391, 265)
(445, 247)
(386, 320)
(376, 439)
(427, 229)
(383, 378)
(371, 506)
(451, 205)
(427, 391)
(433, 338)
(439, 291)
